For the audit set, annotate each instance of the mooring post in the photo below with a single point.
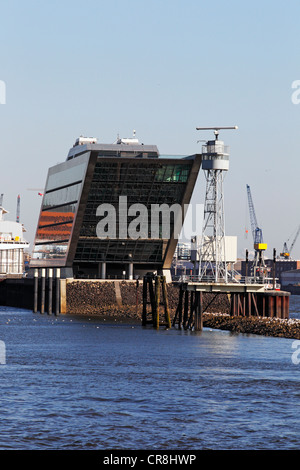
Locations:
(157, 302)
(233, 304)
(144, 314)
(166, 302)
(249, 305)
(192, 306)
(180, 308)
(152, 298)
(57, 292)
(199, 312)
(35, 293)
(186, 309)
(50, 285)
(137, 296)
(43, 289)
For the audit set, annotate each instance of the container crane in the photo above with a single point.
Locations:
(286, 253)
(259, 265)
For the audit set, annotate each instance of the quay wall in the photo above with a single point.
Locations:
(111, 298)
(125, 299)
(121, 301)
(17, 292)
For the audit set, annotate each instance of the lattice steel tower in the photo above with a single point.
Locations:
(212, 255)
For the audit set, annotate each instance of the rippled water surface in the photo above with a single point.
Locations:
(78, 383)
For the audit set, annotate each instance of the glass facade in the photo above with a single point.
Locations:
(97, 177)
(59, 206)
(141, 181)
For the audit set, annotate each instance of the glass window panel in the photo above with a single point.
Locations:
(50, 251)
(58, 215)
(68, 176)
(53, 233)
(62, 196)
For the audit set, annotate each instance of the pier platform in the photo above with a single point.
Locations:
(246, 300)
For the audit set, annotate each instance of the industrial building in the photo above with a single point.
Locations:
(80, 193)
(281, 266)
(290, 281)
(12, 246)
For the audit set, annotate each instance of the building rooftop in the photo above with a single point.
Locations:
(85, 144)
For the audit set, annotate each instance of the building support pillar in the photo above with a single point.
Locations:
(57, 292)
(103, 270)
(43, 289)
(35, 294)
(130, 271)
(50, 285)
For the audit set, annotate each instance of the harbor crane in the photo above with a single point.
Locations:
(286, 253)
(258, 266)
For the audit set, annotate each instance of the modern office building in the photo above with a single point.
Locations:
(101, 206)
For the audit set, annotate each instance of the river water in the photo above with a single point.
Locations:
(75, 382)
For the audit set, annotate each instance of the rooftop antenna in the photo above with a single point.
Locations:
(212, 256)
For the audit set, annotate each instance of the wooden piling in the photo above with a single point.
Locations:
(192, 310)
(178, 313)
(155, 300)
(166, 302)
(186, 309)
(199, 312)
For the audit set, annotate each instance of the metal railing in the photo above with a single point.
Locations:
(267, 282)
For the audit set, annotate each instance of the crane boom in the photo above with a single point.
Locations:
(258, 267)
(294, 241)
(256, 231)
(287, 252)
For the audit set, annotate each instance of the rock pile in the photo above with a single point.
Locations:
(284, 328)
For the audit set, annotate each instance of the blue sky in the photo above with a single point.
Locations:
(163, 68)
